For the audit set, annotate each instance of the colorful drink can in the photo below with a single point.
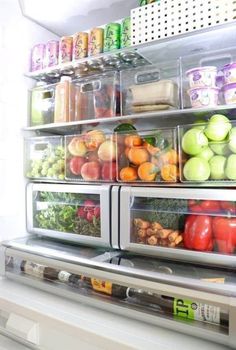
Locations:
(37, 57)
(125, 40)
(112, 37)
(96, 38)
(51, 55)
(80, 45)
(65, 49)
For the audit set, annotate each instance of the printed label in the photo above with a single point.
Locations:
(64, 276)
(34, 269)
(196, 311)
(102, 286)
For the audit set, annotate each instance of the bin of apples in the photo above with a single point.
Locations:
(208, 150)
(147, 156)
(91, 157)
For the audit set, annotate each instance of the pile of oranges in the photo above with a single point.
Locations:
(145, 162)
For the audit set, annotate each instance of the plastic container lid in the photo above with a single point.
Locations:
(213, 68)
(229, 86)
(65, 78)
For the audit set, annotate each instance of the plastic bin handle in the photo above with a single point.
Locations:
(90, 86)
(147, 77)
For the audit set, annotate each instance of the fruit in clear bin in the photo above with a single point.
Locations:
(91, 171)
(220, 148)
(152, 149)
(128, 174)
(194, 141)
(138, 155)
(107, 151)
(76, 164)
(196, 169)
(230, 170)
(169, 172)
(93, 139)
(147, 171)
(206, 154)
(77, 147)
(232, 140)
(169, 157)
(133, 140)
(108, 171)
(217, 167)
(217, 127)
(92, 156)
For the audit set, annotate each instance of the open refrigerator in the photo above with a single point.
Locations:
(158, 246)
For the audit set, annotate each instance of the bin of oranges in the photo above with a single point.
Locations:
(147, 156)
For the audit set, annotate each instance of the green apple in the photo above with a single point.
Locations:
(217, 167)
(206, 154)
(200, 124)
(196, 169)
(217, 127)
(194, 141)
(230, 170)
(232, 140)
(220, 148)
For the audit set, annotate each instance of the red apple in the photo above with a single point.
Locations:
(90, 171)
(76, 164)
(92, 156)
(109, 171)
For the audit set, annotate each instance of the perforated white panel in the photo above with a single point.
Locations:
(167, 18)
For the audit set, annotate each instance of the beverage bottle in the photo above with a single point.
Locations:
(64, 101)
(180, 308)
(38, 270)
(105, 287)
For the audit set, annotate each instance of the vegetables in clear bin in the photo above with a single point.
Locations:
(198, 233)
(224, 231)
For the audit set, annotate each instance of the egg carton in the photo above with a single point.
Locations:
(168, 18)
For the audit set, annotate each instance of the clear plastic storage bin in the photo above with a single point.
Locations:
(148, 156)
(97, 96)
(150, 88)
(91, 157)
(42, 105)
(70, 213)
(207, 152)
(209, 78)
(45, 158)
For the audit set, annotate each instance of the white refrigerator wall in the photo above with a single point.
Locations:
(17, 36)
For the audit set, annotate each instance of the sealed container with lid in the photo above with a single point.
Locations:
(97, 96)
(229, 71)
(202, 77)
(229, 91)
(45, 158)
(204, 97)
(150, 88)
(148, 156)
(91, 157)
(65, 93)
(207, 152)
(42, 100)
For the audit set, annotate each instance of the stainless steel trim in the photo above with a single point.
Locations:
(115, 217)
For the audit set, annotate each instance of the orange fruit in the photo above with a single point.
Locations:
(169, 172)
(133, 140)
(155, 161)
(138, 155)
(128, 174)
(127, 151)
(152, 150)
(169, 157)
(147, 171)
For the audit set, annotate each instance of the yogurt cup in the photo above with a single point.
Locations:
(203, 97)
(229, 71)
(229, 91)
(202, 77)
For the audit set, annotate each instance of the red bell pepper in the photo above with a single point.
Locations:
(204, 206)
(198, 233)
(224, 232)
(229, 207)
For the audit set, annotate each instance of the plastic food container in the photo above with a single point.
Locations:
(204, 97)
(202, 77)
(91, 157)
(45, 158)
(149, 156)
(42, 103)
(207, 152)
(150, 89)
(97, 96)
(229, 71)
(229, 92)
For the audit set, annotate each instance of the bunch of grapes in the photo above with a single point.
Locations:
(51, 165)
